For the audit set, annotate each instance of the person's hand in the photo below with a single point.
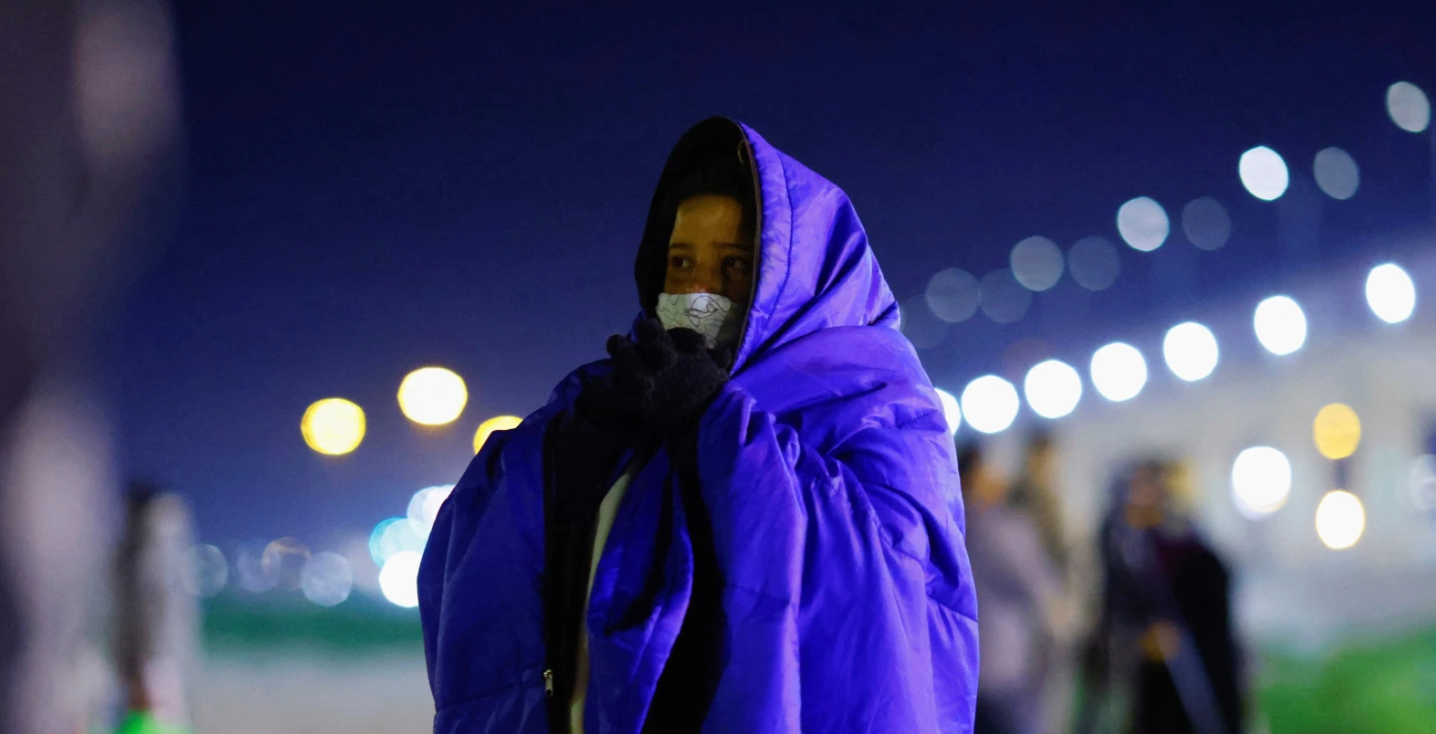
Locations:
(665, 377)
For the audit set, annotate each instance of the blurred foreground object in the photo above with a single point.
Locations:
(88, 136)
(155, 617)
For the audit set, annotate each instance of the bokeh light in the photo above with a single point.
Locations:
(398, 537)
(1037, 263)
(1263, 173)
(989, 404)
(284, 560)
(1336, 173)
(496, 423)
(327, 579)
(1421, 484)
(1002, 298)
(1336, 431)
(919, 324)
(432, 396)
(1408, 106)
(1053, 388)
(333, 426)
(1261, 481)
(399, 579)
(424, 507)
(205, 571)
(1390, 293)
(1118, 372)
(1190, 350)
(952, 295)
(1340, 519)
(1143, 224)
(376, 539)
(1094, 263)
(249, 567)
(951, 411)
(1280, 325)
(1206, 223)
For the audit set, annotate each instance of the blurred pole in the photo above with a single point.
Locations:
(89, 127)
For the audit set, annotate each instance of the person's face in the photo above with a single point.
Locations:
(711, 250)
(1146, 499)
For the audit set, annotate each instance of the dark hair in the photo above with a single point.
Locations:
(717, 175)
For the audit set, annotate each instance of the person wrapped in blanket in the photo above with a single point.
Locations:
(746, 519)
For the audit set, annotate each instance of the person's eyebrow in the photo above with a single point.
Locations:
(744, 246)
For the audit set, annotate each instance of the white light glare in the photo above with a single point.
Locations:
(1118, 371)
(1264, 173)
(1390, 293)
(1261, 481)
(1190, 350)
(950, 410)
(1143, 224)
(1340, 519)
(424, 507)
(989, 403)
(399, 579)
(1053, 388)
(1280, 325)
(1408, 106)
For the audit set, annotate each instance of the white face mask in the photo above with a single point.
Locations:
(711, 315)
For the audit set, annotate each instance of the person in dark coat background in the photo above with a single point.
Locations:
(1165, 631)
(747, 519)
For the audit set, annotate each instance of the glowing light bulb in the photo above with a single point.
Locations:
(1143, 224)
(1340, 519)
(1390, 293)
(1261, 481)
(1118, 372)
(1190, 350)
(432, 396)
(399, 579)
(989, 403)
(497, 423)
(1280, 325)
(1053, 388)
(1263, 173)
(1336, 431)
(333, 426)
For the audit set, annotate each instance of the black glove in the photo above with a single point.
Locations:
(665, 378)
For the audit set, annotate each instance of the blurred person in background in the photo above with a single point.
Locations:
(88, 142)
(1020, 601)
(1164, 646)
(1036, 494)
(746, 520)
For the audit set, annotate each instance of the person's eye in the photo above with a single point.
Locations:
(739, 264)
(679, 262)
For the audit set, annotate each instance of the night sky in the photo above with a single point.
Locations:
(372, 190)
